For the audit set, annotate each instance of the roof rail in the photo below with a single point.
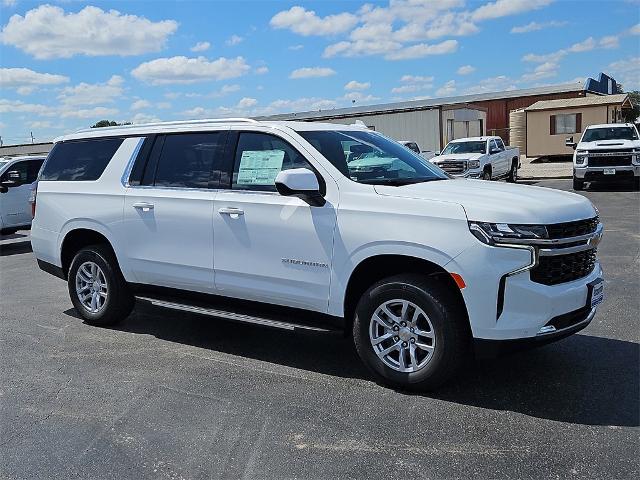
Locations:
(176, 122)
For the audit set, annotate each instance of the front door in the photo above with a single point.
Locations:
(15, 208)
(269, 247)
(168, 219)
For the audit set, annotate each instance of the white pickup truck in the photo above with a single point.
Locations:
(16, 176)
(606, 152)
(480, 157)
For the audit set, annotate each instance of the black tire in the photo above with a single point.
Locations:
(578, 184)
(446, 314)
(486, 175)
(8, 231)
(513, 173)
(636, 183)
(119, 300)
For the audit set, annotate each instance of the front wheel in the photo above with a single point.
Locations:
(411, 332)
(97, 288)
(578, 184)
(486, 175)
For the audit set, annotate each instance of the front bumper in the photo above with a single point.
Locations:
(504, 303)
(597, 173)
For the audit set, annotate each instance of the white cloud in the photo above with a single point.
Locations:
(307, 23)
(40, 124)
(201, 47)
(312, 72)
(535, 26)
(423, 49)
(544, 70)
(627, 72)
(635, 30)
(48, 32)
(411, 88)
(610, 41)
(140, 104)
(183, 70)
(234, 40)
(140, 117)
(584, 46)
(247, 102)
(25, 90)
(296, 47)
(504, 8)
(358, 97)
(447, 89)
(95, 112)
(92, 93)
(355, 85)
(225, 90)
(163, 105)
(261, 70)
(26, 78)
(16, 106)
(466, 70)
(9, 3)
(416, 79)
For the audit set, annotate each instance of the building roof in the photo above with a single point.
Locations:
(589, 101)
(426, 104)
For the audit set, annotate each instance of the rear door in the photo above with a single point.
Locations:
(268, 247)
(168, 217)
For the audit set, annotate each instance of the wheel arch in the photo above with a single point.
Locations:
(78, 237)
(373, 269)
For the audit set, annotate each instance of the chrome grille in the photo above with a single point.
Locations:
(453, 166)
(610, 158)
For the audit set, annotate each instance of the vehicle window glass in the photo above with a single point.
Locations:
(609, 133)
(21, 168)
(499, 143)
(465, 147)
(80, 160)
(187, 159)
(33, 168)
(368, 157)
(259, 158)
(494, 145)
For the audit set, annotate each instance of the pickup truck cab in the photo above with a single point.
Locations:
(414, 147)
(606, 152)
(480, 157)
(16, 176)
(315, 226)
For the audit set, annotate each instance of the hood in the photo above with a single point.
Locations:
(457, 156)
(609, 145)
(496, 202)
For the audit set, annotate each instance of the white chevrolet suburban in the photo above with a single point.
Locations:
(316, 226)
(480, 157)
(606, 152)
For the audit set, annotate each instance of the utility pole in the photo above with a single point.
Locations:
(32, 138)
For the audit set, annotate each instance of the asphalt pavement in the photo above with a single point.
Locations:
(179, 396)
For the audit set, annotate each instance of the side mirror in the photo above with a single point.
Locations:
(301, 183)
(568, 142)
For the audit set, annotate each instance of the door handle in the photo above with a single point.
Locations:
(144, 206)
(231, 211)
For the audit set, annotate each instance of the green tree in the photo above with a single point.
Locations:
(108, 123)
(631, 114)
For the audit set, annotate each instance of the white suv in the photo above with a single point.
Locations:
(309, 225)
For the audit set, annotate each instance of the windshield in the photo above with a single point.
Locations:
(465, 147)
(610, 133)
(368, 157)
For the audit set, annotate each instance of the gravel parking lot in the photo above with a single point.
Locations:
(170, 395)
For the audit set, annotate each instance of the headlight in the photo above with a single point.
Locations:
(474, 163)
(581, 157)
(491, 233)
(636, 156)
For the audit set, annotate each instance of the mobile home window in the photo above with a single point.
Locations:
(566, 123)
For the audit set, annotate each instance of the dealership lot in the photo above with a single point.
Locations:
(170, 395)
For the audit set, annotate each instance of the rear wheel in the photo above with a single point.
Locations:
(411, 332)
(97, 288)
(578, 184)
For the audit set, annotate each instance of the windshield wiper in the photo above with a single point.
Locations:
(398, 182)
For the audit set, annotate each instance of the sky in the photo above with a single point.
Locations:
(64, 65)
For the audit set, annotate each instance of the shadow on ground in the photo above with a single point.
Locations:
(15, 248)
(583, 379)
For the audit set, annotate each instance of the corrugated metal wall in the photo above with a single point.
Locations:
(421, 126)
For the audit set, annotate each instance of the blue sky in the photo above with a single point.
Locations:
(66, 65)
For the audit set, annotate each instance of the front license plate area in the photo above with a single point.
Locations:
(609, 171)
(596, 292)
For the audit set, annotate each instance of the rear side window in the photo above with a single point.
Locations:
(80, 160)
(186, 160)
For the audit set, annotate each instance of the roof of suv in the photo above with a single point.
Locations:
(199, 125)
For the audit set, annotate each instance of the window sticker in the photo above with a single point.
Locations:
(260, 167)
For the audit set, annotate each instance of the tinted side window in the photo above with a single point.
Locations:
(33, 167)
(80, 160)
(500, 144)
(259, 158)
(186, 160)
